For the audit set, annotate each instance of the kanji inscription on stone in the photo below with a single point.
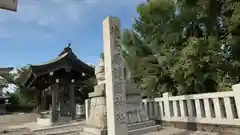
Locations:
(114, 74)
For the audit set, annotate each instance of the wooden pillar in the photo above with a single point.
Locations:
(43, 101)
(54, 104)
(69, 83)
(72, 101)
(55, 101)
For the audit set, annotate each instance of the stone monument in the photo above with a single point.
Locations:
(114, 75)
(135, 112)
(115, 104)
(125, 115)
(97, 116)
(96, 121)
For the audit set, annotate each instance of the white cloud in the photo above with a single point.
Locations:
(40, 15)
(10, 88)
(50, 12)
(44, 12)
(58, 15)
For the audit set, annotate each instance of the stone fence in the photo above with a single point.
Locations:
(210, 108)
(220, 108)
(80, 109)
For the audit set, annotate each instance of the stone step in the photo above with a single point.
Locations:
(139, 131)
(145, 130)
(85, 130)
(70, 132)
(135, 128)
(141, 125)
(176, 131)
(58, 129)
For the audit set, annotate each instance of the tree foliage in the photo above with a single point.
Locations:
(13, 98)
(185, 46)
(25, 95)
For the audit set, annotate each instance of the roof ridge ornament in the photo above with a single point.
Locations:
(67, 49)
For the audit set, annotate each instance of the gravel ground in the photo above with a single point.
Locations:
(29, 120)
(175, 131)
(17, 119)
(165, 131)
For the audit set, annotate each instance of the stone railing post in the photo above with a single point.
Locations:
(236, 90)
(167, 106)
(87, 108)
(150, 107)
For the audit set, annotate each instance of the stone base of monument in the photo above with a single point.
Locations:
(45, 122)
(138, 121)
(96, 123)
(59, 129)
(133, 129)
(88, 130)
(83, 129)
(143, 127)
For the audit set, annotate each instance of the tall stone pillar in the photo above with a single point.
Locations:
(72, 101)
(111, 88)
(114, 75)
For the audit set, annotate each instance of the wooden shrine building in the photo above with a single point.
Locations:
(59, 81)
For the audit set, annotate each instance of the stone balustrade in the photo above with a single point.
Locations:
(210, 108)
(80, 110)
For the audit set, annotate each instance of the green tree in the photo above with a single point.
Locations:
(188, 46)
(25, 95)
(13, 98)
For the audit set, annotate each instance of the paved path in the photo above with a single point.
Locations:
(175, 131)
(17, 119)
(164, 131)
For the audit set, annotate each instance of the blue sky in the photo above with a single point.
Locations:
(40, 29)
